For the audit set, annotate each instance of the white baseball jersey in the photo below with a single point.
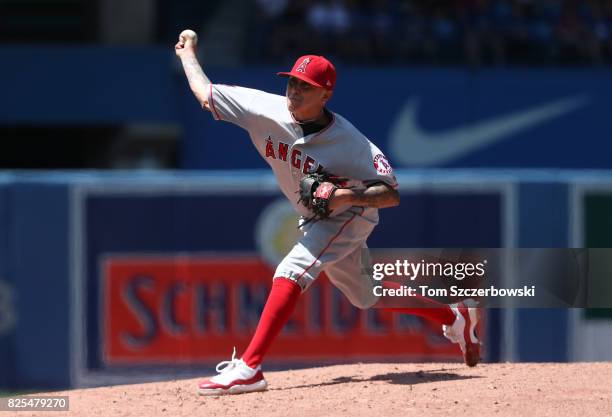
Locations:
(342, 151)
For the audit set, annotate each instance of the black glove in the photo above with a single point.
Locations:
(316, 192)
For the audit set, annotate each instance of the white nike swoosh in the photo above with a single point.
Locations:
(411, 145)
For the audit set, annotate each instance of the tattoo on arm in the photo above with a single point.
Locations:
(194, 71)
(198, 81)
(379, 196)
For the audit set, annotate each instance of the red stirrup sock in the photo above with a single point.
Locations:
(423, 307)
(281, 302)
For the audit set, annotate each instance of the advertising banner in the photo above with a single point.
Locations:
(169, 282)
(188, 309)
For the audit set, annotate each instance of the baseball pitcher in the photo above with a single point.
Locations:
(336, 179)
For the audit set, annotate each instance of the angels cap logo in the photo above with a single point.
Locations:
(302, 67)
(382, 165)
(314, 70)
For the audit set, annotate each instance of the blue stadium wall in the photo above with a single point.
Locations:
(56, 226)
(491, 118)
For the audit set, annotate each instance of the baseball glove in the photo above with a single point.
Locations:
(316, 191)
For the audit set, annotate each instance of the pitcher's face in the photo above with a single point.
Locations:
(305, 100)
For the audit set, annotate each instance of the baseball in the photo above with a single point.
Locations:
(189, 34)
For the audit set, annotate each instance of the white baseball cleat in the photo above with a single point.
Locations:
(235, 377)
(463, 332)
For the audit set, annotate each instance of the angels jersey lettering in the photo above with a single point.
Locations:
(339, 148)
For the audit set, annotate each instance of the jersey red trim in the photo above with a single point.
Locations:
(329, 125)
(322, 130)
(329, 243)
(212, 103)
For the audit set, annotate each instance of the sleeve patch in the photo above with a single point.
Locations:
(382, 164)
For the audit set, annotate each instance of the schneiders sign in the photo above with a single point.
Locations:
(169, 309)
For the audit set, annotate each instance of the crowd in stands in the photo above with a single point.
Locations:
(477, 32)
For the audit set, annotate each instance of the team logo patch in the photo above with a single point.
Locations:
(382, 165)
(302, 67)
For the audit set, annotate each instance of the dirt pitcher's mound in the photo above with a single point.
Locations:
(580, 389)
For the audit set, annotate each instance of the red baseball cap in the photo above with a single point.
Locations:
(315, 70)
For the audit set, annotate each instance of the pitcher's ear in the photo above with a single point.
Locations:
(328, 95)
